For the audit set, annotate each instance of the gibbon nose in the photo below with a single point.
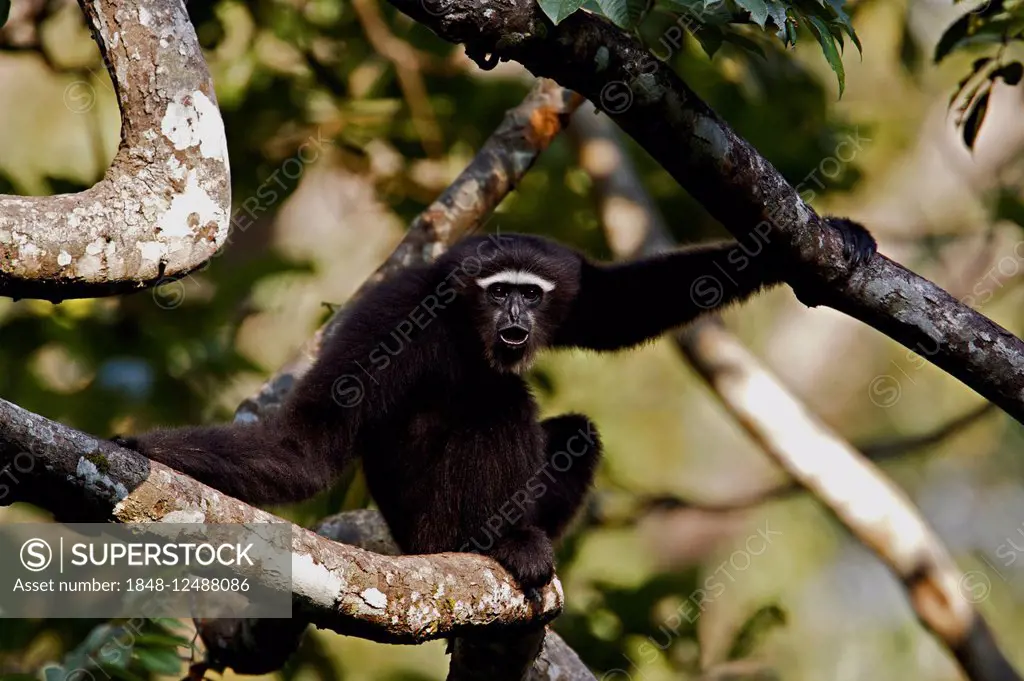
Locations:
(515, 309)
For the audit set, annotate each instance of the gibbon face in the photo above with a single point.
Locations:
(521, 295)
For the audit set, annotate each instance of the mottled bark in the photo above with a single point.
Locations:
(488, 662)
(162, 210)
(736, 184)
(462, 208)
(403, 599)
(871, 506)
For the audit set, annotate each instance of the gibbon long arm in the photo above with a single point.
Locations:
(301, 448)
(260, 463)
(622, 305)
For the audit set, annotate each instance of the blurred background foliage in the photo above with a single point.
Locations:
(345, 119)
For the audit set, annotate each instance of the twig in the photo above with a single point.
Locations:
(407, 67)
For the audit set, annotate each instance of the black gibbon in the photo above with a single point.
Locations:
(423, 382)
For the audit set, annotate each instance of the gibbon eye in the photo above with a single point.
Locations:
(497, 291)
(531, 293)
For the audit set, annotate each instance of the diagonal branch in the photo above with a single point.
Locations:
(162, 210)
(873, 508)
(736, 184)
(462, 208)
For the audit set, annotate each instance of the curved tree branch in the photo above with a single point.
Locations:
(162, 210)
(735, 183)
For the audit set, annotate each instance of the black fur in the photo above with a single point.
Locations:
(420, 384)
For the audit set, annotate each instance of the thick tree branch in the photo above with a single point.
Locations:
(415, 598)
(259, 646)
(736, 184)
(557, 661)
(463, 207)
(162, 209)
(874, 509)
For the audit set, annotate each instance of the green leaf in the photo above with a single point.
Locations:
(975, 119)
(978, 28)
(162, 640)
(557, 10)
(699, 12)
(744, 43)
(828, 47)
(777, 12)
(754, 631)
(625, 13)
(710, 38)
(791, 33)
(159, 661)
(758, 10)
(1010, 73)
(979, 64)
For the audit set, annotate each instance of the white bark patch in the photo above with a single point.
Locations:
(87, 471)
(194, 120)
(314, 581)
(63, 258)
(152, 251)
(709, 131)
(193, 203)
(192, 516)
(375, 598)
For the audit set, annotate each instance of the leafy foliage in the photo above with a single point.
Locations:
(715, 22)
(133, 651)
(993, 25)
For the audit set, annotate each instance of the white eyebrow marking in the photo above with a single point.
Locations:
(516, 278)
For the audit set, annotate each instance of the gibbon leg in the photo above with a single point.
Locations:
(527, 554)
(571, 455)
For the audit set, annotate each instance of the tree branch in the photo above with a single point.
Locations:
(736, 184)
(557, 661)
(462, 208)
(83, 479)
(162, 210)
(873, 508)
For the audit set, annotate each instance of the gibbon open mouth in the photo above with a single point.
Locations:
(514, 335)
